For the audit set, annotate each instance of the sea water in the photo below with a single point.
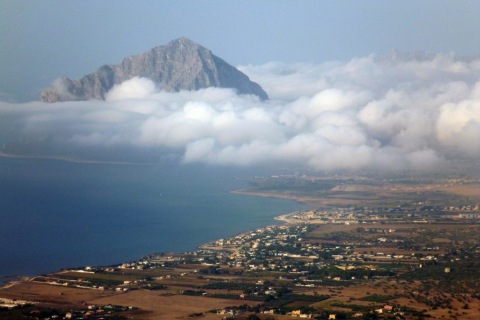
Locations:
(57, 214)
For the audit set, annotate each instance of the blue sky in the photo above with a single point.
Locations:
(41, 40)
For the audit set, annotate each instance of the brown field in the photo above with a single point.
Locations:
(52, 296)
(468, 190)
(354, 194)
(156, 305)
(400, 229)
(162, 304)
(351, 295)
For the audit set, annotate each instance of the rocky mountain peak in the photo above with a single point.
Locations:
(181, 64)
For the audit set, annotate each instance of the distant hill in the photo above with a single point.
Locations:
(179, 65)
(397, 57)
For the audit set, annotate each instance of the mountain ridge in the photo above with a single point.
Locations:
(181, 64)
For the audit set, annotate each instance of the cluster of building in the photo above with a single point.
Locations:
(12, 303)
(297, 255)
(417, 213)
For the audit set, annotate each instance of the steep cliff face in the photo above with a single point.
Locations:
(180, 65)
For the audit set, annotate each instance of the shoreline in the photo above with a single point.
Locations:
(282, 218)
(66, 159)
(258, 217)
(285, 218)
(9, 280)
(310, 202)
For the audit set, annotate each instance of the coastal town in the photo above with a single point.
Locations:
(413, 260)
(239, 160)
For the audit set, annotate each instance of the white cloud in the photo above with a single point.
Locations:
(458, 127)
(358, 115)
(135, 88)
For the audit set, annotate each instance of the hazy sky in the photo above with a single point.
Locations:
(41, 40)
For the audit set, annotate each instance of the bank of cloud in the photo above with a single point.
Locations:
(357, 115)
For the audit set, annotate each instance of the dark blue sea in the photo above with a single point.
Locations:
(57, 214)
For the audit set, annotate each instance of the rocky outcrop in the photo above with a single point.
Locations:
(180, 65)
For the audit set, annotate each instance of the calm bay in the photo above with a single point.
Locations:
(57, 214)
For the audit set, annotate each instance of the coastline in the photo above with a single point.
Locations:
(310, 202)
(231, 274)
(247, 192)
(284, 218)
(224, 213)
(7, 281)
(14, 278)
(125, 216)
(64, 158)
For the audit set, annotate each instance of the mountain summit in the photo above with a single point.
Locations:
(179, 65)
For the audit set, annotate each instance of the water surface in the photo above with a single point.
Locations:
(56, 214)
